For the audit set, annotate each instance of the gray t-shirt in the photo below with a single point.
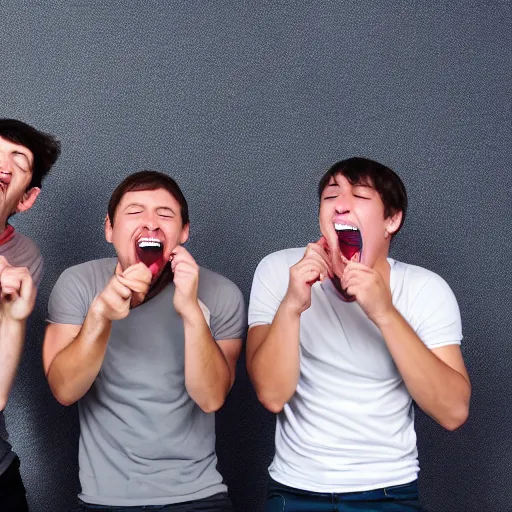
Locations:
(19, 251)
(143, 440)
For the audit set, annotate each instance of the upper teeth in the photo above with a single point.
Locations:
(149, 242)
(340, 227)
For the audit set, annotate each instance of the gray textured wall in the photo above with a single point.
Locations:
(246, 104)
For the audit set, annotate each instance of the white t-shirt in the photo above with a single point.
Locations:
(350, 424)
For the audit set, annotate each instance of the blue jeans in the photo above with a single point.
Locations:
(400, 498)
(216, 503)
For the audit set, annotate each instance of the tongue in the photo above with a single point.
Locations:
(151, 258)
(350, 243)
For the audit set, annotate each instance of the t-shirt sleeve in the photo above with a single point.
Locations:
(70, 299)
(269, 287)
(437, 321)
(229, 320)
(36, 270)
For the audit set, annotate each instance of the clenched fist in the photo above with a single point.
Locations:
(124, 290)
(17, 291)
(186, 279)
(314, 266)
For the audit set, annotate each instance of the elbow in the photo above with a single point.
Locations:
(62, 397)
(271, 403)
(457, 418)
(213, 405)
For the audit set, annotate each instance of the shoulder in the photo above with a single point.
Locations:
(283, 259)
(92, 274)
(213, 286)
(91, 267)
(420, 279)
(22, 251)
(422, 295)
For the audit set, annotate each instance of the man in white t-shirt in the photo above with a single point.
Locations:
(342, 339)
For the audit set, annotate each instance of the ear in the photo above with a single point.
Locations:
(108, 230)
(393, 222)
(185, 232)
(28, 199)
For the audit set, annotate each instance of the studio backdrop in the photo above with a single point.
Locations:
(246, 104)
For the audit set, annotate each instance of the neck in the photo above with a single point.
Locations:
(383, 268)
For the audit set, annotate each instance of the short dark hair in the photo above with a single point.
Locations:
(147, 180)
(362, 171)
(44, 147)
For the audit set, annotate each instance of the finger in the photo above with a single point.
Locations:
(353, 280)
(185, 266)
(9, 295)
(312, 276)
(139, 272)
(182, 256)
(120, 289)
(320, 263)
(354, 265)
(27, 288)
(11, 280)
(135, 285)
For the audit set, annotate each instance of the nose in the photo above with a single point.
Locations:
(150, 222)
(343, 203)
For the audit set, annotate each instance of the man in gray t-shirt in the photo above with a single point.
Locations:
(147, 344)
(26, 156)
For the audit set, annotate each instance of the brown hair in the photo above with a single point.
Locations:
(362, 171)
(147, 180)
(44, 147)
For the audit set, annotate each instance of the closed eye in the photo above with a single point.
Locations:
(132, 213)
(330, 197)
(361, 197)
(21, 161)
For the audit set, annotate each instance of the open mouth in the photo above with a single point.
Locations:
(150, 251)
(351, 246)
(3, 184)
(349, 240)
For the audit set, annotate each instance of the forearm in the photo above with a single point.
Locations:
(439, 390)
(75, 368)
(275, 366)
(12, 337)
(207, 375)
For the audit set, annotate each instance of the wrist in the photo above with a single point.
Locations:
(290, 308)
(191, 312)
(98, 311)
(387, 318)
(8, 322)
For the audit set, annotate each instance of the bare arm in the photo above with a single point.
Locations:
(12, 337)
(273, 358)
(17, 299)
(209, 367)
(73, 354)
(436, 379)
(273, 355)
